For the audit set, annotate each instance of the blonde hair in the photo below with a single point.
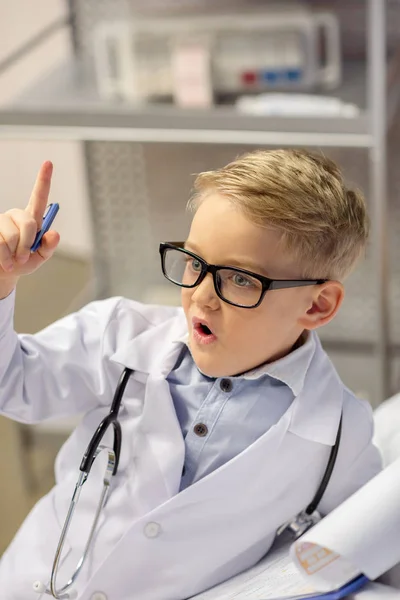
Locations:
(303, 195)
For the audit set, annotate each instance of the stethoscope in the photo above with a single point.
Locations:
(93, 450)
(296, 527)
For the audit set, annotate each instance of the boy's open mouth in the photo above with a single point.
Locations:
(202, 332)
(203, 329)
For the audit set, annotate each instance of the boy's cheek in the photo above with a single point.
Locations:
(185, 299)
(286, 303)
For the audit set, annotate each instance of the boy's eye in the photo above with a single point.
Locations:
(196, 265)
(242, 281)
(193, 263)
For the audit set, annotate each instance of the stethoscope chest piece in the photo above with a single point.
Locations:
(300, 524)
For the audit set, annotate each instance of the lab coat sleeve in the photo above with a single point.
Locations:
(359, 460)
(58, 371)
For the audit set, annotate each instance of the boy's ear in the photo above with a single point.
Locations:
(325, 303)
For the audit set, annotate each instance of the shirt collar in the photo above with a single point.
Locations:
(290, 369)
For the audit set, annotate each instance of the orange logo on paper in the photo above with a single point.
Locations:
(313, 558)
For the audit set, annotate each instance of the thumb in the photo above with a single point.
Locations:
(49, 243)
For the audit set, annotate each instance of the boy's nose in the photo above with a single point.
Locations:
(204, 294)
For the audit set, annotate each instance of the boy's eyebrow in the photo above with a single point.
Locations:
(192, 247)
(248, 265)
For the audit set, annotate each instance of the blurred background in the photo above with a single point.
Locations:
(130, 98)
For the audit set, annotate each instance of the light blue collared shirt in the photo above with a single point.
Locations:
(221, 417)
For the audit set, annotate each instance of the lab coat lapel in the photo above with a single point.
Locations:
(163, 433)
(318, 408)
(152, 355)
(155, 349)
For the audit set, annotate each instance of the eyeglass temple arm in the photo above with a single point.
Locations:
(278, 284)
(177, 244)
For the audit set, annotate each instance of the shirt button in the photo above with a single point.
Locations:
(200, 429)
(152, 530)
(98, 596)
(226, 385)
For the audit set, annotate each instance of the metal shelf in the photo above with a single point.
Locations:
(66, 104)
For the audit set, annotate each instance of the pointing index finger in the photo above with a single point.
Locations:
(40, 193)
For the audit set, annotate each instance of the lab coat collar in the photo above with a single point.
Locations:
(316, 411)
(154, 350)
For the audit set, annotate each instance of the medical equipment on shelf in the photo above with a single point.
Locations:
(295, 527)
(295, 105)
(197, 58)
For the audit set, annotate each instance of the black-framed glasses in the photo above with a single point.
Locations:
(235, 286)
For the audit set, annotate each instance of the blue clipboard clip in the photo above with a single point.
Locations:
(349, 588)
(48, 219)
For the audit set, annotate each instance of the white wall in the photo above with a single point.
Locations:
(19, 163)
(20, 160)
(20, 19)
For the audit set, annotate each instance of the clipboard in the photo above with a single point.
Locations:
(343, 592)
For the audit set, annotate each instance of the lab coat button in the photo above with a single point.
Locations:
(200, 429)
(98, 596)
(226, 385)
(152, 530)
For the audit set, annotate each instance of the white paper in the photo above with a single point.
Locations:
(275, 576)
(362, 534)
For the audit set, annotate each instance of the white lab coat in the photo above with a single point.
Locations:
(153, 542)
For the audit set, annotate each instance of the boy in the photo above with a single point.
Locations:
(232, 408)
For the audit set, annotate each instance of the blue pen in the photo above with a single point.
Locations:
(48, 218)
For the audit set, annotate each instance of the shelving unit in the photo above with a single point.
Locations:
(117, 137)
(65, 105)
